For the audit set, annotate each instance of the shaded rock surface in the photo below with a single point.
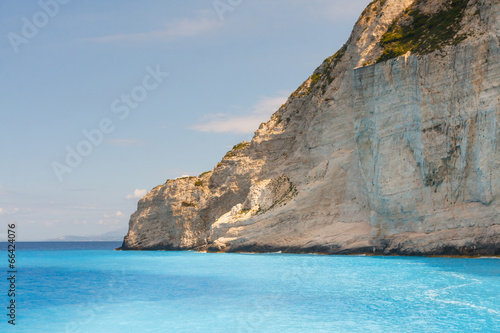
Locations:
(371, 154)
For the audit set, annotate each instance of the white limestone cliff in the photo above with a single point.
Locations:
(374, 153)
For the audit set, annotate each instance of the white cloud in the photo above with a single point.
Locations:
(137, 194)
(180, 28)
(117, 214)
(226, 123)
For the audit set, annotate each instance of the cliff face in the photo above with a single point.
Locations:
(391, 146)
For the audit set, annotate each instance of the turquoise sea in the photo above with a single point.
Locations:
(88, 287)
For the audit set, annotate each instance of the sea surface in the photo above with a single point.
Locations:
(88, 287)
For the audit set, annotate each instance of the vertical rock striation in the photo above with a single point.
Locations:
(391, 146)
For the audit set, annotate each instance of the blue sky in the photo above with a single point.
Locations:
(100, 68)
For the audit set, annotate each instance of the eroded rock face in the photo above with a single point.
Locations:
(395, 156)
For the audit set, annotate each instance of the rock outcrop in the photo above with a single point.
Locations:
(391, 146)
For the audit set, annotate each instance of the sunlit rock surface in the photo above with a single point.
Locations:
(367, 156)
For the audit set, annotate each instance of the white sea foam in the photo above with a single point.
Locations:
(488, 258)
(470, 305)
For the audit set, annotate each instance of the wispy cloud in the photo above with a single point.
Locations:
(226, 123)
(81, 189)
(5, 192)
(5, 211)
(113, 218)
(117, 214)
(109, 221)
(124, 142)
(87, 207)
(52, 223)
(178, 29)
(137, 194)
(331, 10)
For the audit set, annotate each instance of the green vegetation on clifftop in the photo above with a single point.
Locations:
(422, 33)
